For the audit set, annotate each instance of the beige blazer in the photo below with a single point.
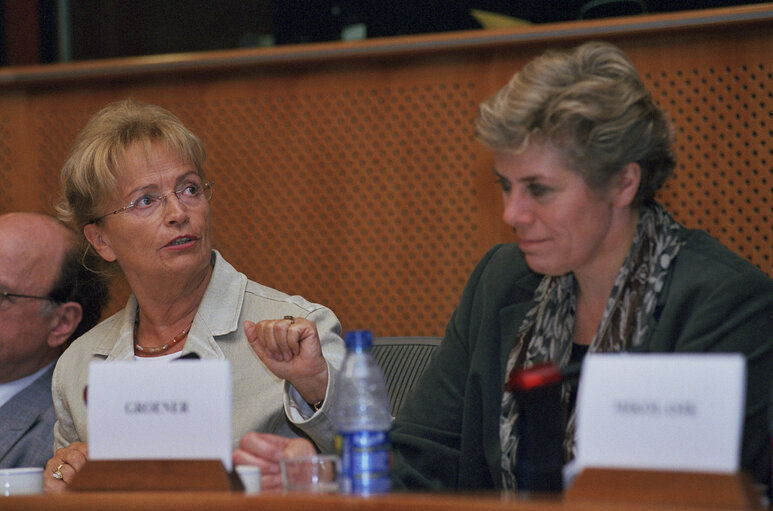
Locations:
(261, 401)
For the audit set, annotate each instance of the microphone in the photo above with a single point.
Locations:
(539, 454)
(188, 356)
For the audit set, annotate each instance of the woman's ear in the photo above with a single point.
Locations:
(627, 185)
(94, 234)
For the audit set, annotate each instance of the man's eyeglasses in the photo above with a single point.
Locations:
(7, 296)
(190, 195)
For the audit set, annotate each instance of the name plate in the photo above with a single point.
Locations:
(160, 410)
(661, 411)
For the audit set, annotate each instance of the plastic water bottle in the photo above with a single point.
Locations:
(362, 420)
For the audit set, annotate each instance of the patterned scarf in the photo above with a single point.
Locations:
(546, 331)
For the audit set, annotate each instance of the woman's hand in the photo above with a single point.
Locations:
(290, 348)
(61, 469)
(266, 450)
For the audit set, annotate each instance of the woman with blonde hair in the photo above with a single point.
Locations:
(134, 185)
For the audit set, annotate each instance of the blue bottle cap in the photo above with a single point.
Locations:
(358, 339)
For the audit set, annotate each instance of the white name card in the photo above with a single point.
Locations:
(679, 412)
(160, 410)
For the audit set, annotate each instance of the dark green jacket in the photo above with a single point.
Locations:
(446, 436)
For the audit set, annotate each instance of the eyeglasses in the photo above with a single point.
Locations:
(190, 195)
(7, 296)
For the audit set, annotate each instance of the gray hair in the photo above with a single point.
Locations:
(591, 104)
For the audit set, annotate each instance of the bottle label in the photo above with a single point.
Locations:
(365, 462)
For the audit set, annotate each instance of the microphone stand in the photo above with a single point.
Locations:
(539, 454)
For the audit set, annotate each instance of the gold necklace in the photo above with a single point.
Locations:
(153, 350)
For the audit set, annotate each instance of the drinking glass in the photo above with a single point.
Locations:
(311, 474)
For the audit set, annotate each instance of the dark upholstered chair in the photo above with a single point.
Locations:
(403, 360)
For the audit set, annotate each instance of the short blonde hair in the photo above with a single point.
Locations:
(591, 104)
(88, 178)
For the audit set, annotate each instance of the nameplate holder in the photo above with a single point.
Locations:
(667, 488)
(160, 411)
(662, 429)
(154, 475)
(662, 412)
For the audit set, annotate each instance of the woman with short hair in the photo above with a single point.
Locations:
(134, 185)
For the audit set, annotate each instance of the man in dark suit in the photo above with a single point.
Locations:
(47, 299)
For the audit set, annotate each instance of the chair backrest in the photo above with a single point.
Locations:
(403, 360)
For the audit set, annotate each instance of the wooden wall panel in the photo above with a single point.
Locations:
(718, 93)
(349, 174)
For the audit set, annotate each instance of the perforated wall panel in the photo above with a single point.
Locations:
(357, 183)
(6, 167)
(723, 183)
(357, 197)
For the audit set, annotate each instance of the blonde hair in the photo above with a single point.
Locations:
(589, 103)
(88, 179)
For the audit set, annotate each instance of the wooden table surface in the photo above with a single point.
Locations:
(222, 501)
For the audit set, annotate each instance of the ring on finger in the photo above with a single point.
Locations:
(291, 318)
(57, 474)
